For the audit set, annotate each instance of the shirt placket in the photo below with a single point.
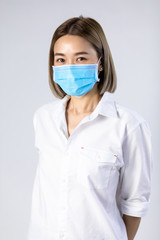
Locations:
(63, 211)
(63, 201)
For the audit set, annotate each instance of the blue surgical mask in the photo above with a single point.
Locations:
(76, 80)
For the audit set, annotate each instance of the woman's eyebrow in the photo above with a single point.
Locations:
(77, 53)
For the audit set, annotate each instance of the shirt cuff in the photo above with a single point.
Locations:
(135, 209)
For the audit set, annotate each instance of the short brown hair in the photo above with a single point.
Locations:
(91, 30)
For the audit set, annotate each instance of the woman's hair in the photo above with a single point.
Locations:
(92, 31)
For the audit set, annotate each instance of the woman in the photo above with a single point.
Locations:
(94, 170)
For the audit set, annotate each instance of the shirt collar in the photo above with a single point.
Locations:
(105, 107)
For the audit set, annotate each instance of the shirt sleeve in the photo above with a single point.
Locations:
(136, 174)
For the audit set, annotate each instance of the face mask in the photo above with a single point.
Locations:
(76, 80)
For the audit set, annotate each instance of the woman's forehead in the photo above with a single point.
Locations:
(72, 43)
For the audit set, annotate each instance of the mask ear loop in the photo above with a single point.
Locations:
(99, 59)
(98, 62)
(97, 67)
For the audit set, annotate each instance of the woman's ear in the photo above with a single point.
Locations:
(100, 68)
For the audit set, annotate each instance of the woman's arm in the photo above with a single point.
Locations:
(132, 224)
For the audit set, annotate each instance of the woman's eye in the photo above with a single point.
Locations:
(60, 60)
(81, 59)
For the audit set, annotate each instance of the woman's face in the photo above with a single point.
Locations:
(71, 49)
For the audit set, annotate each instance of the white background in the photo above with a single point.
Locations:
(26, 29)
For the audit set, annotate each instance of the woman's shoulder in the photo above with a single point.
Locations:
(47, 107)
(129, 113)
(130, 117)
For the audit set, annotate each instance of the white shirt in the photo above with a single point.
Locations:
(85, 182)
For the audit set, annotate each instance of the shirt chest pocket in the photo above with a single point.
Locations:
(95, 167)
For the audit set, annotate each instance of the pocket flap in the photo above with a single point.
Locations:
(106, 157)
(101, 156)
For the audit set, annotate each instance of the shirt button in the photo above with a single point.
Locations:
(61, 234)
